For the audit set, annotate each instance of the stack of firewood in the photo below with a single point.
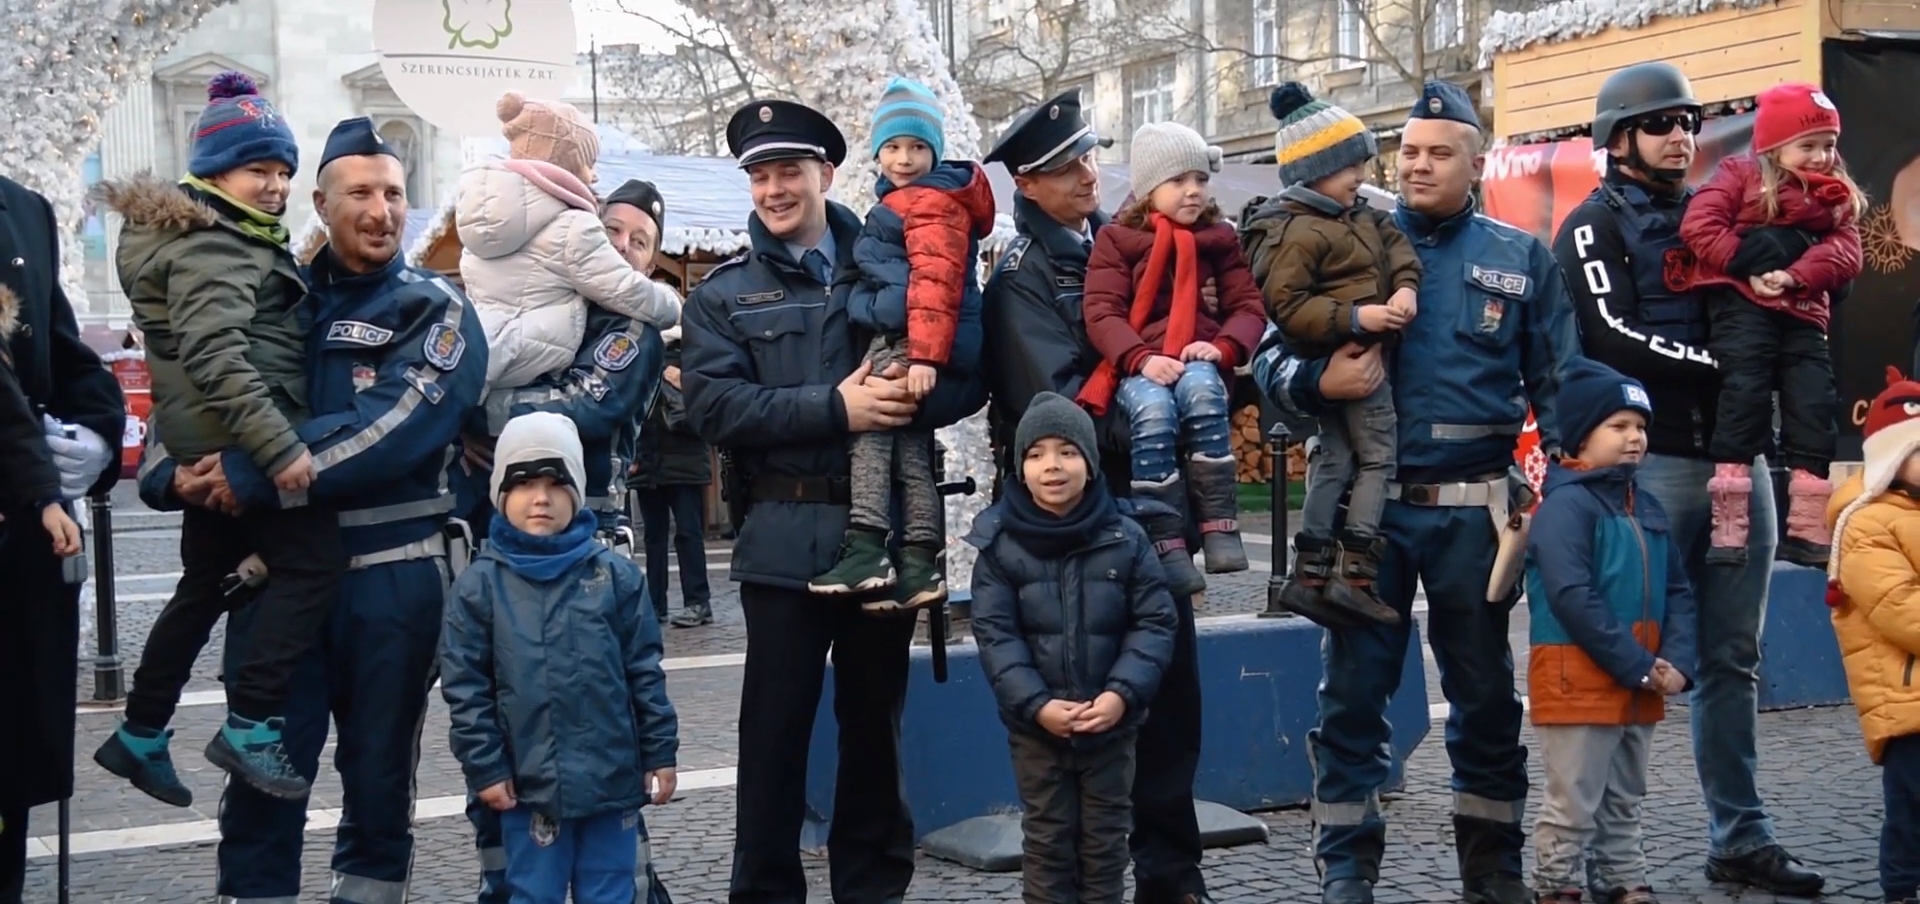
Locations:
(1250, 452)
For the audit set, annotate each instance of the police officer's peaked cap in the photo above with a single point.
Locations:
(1636, 91)
(783, 130)
(1445, 100)
(1046, 137)
(354, 138)
(641, 194)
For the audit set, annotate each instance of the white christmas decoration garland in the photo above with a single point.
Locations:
(1570, 19)
(837, 57)
(63, 64)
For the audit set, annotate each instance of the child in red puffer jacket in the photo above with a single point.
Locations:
(1775, 236)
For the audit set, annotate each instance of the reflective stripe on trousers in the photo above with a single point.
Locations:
(1473, 806)
(362, 890)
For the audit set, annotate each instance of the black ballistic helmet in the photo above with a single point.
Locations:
(1636, 91)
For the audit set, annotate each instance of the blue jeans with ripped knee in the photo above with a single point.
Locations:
(1192, 413)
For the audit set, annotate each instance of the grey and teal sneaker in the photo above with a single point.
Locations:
(139, 755)
(863, 565)
(255, 753)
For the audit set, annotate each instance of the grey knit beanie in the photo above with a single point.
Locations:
(1052, 414)
(538, 437)
(1166, 150)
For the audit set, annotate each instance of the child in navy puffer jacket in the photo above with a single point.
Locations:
(550, 664)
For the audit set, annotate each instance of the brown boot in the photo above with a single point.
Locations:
(1303, 592)
(1353, 588)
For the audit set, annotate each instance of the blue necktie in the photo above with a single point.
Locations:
(816, 264)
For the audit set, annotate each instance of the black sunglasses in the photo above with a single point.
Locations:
(1660, 125)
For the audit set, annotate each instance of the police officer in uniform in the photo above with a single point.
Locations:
(1039, 340)
(1493, 332)
(396, 361)
(772, 369)
(1614, 249)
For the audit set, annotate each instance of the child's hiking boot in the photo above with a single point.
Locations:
(1639, 894)
(1166, 526)
(139, 755)
(1303, 591)
(863, 565)
(1354, 587)
(1731, 493)
(256, 753)
(1808, 539)
(922, 582)
(1216, 505)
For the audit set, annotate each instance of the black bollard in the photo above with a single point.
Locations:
(1278, 439)
(107, 677)
(66, 850)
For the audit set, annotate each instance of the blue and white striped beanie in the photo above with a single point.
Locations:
(908, 110)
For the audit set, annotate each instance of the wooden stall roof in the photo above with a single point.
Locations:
(1731, 52)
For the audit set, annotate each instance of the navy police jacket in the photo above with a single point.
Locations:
(765, 346)
(395, 361)
(557, 685)
(606, 392)
(1494, 330)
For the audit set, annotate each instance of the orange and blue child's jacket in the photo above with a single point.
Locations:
(1607, 592)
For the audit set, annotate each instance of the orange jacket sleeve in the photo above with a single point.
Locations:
(937, 236)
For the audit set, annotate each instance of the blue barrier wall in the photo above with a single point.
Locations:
(1258, 680)
(1799, 655)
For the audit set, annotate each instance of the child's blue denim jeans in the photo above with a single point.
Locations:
(1191, 413)
(595, 856)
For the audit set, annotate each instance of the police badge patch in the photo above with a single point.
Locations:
(443, 347)
(358, 333)
(616, 351)
(1514, 284)
(1491, 314)
(363, 376)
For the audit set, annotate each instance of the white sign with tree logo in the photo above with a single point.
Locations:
(450, 60)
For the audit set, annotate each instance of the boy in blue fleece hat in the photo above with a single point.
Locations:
(550, 665)
(1612, 631)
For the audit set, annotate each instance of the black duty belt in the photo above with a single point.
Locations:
(785, 488)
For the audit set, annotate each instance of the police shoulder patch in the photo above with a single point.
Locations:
(616, 351)
(1016, 252)
(358, 333)
(1514, 284)
(443, 346)
(423, 382)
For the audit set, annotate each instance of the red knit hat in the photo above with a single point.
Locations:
(1892, 433)
(1790, 111)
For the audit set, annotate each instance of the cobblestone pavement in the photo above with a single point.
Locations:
(1822, 791)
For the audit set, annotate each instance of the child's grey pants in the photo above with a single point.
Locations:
(881, 457)
(1596, 776)
(1358, 444)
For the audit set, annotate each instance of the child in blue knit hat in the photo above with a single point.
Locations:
(917, 276)
(218, 295)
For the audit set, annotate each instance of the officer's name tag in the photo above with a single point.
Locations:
(1070, 282)
(1514, 284)
(761, 297)
(358, 333)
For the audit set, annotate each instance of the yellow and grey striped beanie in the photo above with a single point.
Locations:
(1316, 139)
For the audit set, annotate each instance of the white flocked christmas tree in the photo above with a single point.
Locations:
(63, 64)
(837, 56)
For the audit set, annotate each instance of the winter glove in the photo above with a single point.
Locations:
(81, 460)
(1767, 249)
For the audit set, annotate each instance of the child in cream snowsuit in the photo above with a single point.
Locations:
(533, 250)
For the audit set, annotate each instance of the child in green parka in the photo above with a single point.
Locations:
(218, 295)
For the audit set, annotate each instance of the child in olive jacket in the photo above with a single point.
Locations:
(1075, 627)
(1612, 624)
(219, 298)
(550, 665)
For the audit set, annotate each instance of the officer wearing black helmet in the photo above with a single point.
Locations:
(1039, 341)
(771, 369)
(1616, 249)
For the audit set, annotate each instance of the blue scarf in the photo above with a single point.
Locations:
(544, 559)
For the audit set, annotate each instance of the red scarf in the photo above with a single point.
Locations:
(1169, 239)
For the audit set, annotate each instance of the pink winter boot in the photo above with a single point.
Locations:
(1731, 491)
(1808, 536)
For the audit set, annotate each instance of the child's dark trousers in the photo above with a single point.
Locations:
(1078, 810)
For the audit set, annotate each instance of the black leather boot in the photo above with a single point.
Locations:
(1347, 891)
(1487, 852)
(1353, 589)
(1771, 869)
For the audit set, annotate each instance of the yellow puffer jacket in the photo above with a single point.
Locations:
(1879, 622)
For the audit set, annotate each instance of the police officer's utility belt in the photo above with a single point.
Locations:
(786, 488)
(432, 546)
(1479, 492)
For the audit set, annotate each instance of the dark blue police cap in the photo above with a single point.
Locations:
(1445, 100)
(641, 194)
(783, 130)
(1046, 137)
(354, 138)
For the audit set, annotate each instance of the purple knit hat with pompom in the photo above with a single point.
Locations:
(239, 127)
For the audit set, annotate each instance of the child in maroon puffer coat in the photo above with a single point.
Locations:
(1166, 351)
(1774, 236)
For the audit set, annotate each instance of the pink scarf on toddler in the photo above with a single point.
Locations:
(557, 182)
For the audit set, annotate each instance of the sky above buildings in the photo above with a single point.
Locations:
(614, 22)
